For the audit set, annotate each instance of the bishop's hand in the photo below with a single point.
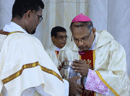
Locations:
(81, 67)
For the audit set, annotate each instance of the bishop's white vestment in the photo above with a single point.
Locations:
(109, 62)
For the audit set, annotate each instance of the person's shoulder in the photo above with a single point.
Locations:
(19, 35)
(116, 45)
(48, 50)
(103, 38)
(107, 35)
(104, 34)
(23, 38)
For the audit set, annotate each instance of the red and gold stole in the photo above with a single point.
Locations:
(57, 53)
(89, 57)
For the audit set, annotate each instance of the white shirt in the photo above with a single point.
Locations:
(56, 48)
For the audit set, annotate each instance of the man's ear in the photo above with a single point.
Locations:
(53, 38)
(93, 31)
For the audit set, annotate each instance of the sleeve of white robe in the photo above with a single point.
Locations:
(113, 72)
(1, 85)
(66, 87)
(94, 83)
(40, 90)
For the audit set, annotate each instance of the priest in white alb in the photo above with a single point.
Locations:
(59, 39)
(25, 67)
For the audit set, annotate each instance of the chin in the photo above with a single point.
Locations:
(62, 45)
(33, 32)
(84, 49)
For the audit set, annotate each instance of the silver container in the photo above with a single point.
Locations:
(67, 70)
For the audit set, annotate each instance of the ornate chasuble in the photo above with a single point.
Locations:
(89, 57)
(46, 70)
(57, 54)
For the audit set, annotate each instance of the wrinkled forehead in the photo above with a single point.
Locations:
(78, 24)
(80, 32)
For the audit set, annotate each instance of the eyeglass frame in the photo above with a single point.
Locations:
(61, 37)
(39, 17)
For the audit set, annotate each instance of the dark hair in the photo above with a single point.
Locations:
(22, 6)
(57, 29)
(88, 24)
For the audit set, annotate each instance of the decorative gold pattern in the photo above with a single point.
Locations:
(15, 75)
(15, 32)
(99, 75)
(31, 65)
(8, 33)
(79, 56)
(94, 58)
(51, 72)
(88, 63)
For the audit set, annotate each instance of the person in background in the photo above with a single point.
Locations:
(59, 39)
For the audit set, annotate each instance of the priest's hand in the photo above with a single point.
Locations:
(74, 87)
(81, 67)
(62, 64)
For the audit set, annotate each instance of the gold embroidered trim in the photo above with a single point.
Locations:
(51, 72)
(94, 57)
(31, 65)
(8, 33)
(99, 75)
(15, 32)
(79, 56)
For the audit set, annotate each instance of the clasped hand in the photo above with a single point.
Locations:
(81, 67)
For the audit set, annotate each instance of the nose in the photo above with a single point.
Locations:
(80, 43)
(64, 39)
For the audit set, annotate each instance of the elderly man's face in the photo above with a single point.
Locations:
(83, 38)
